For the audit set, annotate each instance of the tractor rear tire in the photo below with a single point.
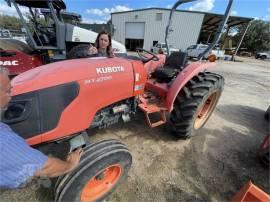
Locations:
(79, 51)
(195, 104)
(102, 167)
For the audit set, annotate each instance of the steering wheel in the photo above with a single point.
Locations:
(144, 58)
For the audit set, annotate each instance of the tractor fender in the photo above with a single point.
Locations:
(182, 79)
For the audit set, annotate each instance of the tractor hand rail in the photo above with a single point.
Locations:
(218, 33)
(178, 3)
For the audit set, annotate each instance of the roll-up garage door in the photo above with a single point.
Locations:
(135, 30)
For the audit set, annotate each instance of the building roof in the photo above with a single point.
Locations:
(95, 27)
(210, 22)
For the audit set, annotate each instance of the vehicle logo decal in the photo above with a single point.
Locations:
(107, 70)
(9, 63)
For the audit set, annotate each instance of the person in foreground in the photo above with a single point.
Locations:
(103, 46)
(18, 161)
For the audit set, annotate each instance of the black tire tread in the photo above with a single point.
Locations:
(90, 148)
(185, 107)
(92, 153)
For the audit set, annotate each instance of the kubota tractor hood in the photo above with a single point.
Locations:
(68, 71)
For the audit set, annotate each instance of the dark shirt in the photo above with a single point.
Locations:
(102, 54)
(99, 54)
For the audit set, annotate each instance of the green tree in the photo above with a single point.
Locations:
(10, 22)
(257, 37)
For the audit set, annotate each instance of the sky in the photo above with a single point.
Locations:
(98, 11)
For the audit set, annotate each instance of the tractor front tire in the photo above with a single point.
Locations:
(102, 167)
(195, 104)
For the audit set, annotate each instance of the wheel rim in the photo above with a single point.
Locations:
(101, 183)
(205, 111)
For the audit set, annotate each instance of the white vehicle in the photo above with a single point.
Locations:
(5, 34)
(162, 46)
(263, 55)
(195, 50)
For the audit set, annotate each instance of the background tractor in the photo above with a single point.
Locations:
(48, 37)
(264, 152)
(59, 101)
(250, 192)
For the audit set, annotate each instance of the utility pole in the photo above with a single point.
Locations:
(240, 42)
(226, 35)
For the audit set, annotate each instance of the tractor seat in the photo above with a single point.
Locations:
(173, 65)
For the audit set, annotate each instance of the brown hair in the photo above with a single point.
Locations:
(109, 48)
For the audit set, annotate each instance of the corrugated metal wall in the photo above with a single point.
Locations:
(186, 27)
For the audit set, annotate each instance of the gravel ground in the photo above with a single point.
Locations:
(211, 166)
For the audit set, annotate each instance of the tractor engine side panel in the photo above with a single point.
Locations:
(102, 89)
(39, 111)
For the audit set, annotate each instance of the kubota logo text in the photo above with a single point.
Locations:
(9, 63)
(106, 70)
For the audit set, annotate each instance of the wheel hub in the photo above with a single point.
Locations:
(100, 176)
(101, 184)
(206, 110)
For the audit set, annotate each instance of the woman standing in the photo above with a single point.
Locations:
(103, 46)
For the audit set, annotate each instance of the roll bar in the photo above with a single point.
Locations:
(218, 33)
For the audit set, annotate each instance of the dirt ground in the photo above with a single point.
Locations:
(211, 166)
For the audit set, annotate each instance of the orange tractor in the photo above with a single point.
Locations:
(250, 192)
(60, 101)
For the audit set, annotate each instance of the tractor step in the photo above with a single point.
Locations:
(151, 109)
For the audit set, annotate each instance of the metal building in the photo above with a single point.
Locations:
(145, 27)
